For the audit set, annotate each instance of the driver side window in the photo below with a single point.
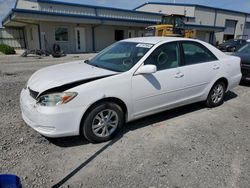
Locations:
(164, 57)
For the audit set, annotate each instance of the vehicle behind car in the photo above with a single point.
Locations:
(244, 53)
(231, 45)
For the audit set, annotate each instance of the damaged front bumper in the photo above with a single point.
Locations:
(56, 121)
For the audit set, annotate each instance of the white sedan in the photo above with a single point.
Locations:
(130, 79)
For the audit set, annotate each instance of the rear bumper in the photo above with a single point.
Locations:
(58, 121)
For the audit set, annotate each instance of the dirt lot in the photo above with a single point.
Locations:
(191, 146)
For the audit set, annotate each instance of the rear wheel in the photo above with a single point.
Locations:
(103, 122)
(216, 95)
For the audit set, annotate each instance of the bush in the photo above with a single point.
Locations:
(7, 49)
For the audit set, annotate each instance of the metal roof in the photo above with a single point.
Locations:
(76, 16)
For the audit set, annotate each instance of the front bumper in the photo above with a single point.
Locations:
(56, 121)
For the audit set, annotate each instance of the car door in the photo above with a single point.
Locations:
(200, 68)
(152, 92)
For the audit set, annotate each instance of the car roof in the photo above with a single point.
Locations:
(155, 40)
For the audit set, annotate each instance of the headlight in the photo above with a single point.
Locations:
(55, 99)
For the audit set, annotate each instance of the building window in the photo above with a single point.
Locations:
(61, 34)
(119, 35)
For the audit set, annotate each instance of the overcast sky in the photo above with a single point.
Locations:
(240, 5)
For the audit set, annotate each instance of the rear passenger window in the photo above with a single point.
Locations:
(196, 53)
(165, 57)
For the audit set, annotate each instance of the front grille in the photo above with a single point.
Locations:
(33, 93)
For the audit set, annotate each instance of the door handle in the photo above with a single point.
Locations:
(216, 67)
(179, 75)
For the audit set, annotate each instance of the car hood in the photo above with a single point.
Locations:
(245, 57)
(66, 73)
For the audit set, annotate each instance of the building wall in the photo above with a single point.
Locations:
(204, 16)
(32, 37)
(104, 35)
(222, 16)
(203, 35)
(48, 36)
(13, 37)
(27, 4)
(169, 9)
(67, 9)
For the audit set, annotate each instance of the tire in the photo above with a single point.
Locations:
(211, 99)
(103, 122)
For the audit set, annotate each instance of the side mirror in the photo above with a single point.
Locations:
(146, 69)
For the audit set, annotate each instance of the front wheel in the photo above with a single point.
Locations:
(216, 95)
(103, 122)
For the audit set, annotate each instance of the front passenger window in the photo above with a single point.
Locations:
(164, 57)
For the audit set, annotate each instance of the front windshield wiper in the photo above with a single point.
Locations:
(87, 61)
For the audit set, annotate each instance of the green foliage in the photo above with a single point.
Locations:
(7, 49)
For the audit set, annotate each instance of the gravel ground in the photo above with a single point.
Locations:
(191, 146)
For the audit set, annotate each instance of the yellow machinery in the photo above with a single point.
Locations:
(170, 26)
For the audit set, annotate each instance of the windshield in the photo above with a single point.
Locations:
(173, 20)
(245, 48)
(121, 56)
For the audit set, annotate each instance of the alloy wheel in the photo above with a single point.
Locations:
(217, 93)
(105, 123)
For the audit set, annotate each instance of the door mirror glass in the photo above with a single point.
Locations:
(146, 69)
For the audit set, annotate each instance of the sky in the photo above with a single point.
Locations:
(239, 5)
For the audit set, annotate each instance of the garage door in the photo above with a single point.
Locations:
(247, 29)
(230, 27)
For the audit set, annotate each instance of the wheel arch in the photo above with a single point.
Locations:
(224, 80)
(116, 100)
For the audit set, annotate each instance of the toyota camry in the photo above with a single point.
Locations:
(128, 80)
